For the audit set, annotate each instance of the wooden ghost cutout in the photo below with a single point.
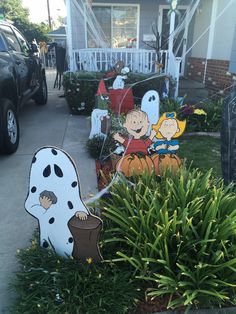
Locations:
(97, 118)
(150, 105)
(54, 199)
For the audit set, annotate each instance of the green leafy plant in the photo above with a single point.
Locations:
(99, 146)
(178, 233)
(47, 283)
(203, 117)
(169, 105)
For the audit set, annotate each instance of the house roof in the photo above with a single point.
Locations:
(61, 31)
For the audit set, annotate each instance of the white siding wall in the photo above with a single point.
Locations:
(224, 31)
(78, 28)
(232, 65)
(202, 21)
(222, 34)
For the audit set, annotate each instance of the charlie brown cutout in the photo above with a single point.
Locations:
(168, 128)
(136, 160)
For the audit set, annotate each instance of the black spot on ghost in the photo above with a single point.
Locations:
(47, 171)
(70, 240)
(33, 189)
(54, 152)
(74, 184)
(153, 97)
(34, 159)
(58, 171)
(45, 244)
(150, 99)
(51, 220)
(70, 205)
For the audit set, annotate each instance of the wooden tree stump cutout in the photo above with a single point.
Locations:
(54, 199)
(86, 236)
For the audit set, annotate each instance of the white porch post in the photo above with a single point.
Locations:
(171, 31)
(69, 37)
(211, 36)
(173, 63)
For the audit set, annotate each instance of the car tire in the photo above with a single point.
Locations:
(9, 127)
(228, 138)
(41, 96)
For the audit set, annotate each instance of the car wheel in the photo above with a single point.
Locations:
(41, 96)
(9, 127)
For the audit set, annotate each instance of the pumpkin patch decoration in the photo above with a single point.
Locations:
(136, 159)
(168, 128)
(163, 162)
(135, 164)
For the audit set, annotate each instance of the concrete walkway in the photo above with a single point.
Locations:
(40, 126)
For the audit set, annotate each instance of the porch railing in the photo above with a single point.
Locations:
(103, 59)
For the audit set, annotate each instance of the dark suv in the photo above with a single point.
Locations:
(22, 77)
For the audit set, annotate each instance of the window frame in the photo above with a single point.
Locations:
(111, 5)
(9, 45)
(27, 46)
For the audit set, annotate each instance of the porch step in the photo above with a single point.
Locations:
(195, 91)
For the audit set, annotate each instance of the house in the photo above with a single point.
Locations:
(209, 59)
(101, 32)
(58, 36)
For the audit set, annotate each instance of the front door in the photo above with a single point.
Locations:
(179, 45)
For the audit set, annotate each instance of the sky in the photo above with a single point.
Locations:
(38, 9)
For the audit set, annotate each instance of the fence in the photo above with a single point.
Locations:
(138, 60)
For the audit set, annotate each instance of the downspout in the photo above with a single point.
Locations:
(69, 37)
(211, 36)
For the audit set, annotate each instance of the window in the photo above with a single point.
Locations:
(11, 39)
(119, 24)
(23, 43)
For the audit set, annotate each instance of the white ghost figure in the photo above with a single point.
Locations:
(54, 197)
(96, 122)
(150, 104)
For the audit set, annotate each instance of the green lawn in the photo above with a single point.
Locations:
(203, 151)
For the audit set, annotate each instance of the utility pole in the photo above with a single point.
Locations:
(49, 15)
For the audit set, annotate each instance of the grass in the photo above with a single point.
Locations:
(48, 283)
(203, 152)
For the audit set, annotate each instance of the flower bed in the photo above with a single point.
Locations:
(167, 243)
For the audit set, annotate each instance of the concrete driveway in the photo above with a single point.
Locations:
(39, 126)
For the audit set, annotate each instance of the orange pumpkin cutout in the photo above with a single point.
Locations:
(155, 160)
(135, 164)
(168, 161)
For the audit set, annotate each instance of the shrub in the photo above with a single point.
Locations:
(179, 236)
(50, 284)
(99, 146)
(80, 88)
